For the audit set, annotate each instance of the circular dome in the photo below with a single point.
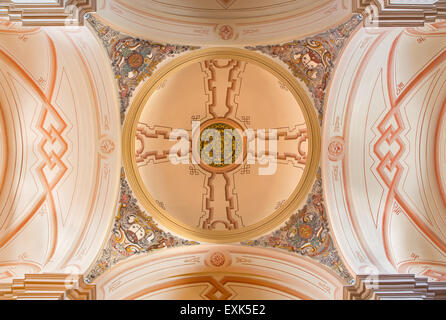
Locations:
(221, 145)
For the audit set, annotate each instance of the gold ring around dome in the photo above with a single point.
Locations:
(219, 236)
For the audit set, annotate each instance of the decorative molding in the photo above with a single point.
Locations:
(50, 286)
(394, 286)
(81, 291)
(368, 199)
(59, 13)
(383, 13)
(223, 22)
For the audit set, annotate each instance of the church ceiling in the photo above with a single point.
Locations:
(223, 272)
(115, 179)
(384, 151)
(135, 61)
(53, 114)
(231, 96)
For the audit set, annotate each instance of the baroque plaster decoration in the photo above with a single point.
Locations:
(55, 180)
(216, 203)
(388, 13)
(224, 272)
(375, 209)
(312, 59)
(307, 232)
(57, 13)
(385, 108)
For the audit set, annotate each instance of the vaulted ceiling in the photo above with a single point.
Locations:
(88, 187)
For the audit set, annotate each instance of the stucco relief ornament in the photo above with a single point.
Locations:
(225, 32)
(336, 149)
(107, 146)
(217, 259)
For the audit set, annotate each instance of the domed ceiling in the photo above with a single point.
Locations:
(224, 145)
(221, 145)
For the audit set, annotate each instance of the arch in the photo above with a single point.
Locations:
(381, 133)
(219, 272)
(61, 115)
